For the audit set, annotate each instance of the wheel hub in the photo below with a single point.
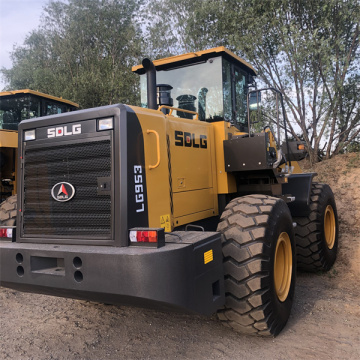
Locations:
(283, 266)
(329, 227)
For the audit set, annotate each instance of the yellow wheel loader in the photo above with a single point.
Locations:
(16, 106)
(177, 204)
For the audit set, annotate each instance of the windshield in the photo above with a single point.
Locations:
(197, 88)
(215, 89)
(14, 109)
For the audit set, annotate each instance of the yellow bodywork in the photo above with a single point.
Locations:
(196, 176)
(191, 191)
(8, 138)
(271, 139)
(158, 194)
(226, 181)
(296, 167)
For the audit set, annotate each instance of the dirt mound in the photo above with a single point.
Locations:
(342, 173)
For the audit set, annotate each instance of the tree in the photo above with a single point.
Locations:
(83, 51)
(309, 50)
(164, 27)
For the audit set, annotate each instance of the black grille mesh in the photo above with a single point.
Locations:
(87, 214)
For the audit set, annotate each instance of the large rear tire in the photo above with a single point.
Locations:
(8, 211)
(316, 235)
(259, 264)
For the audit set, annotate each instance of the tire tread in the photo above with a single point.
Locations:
(8, 211)
(308, 232)
(246, 265)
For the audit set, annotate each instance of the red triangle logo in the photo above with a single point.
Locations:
(62, 190)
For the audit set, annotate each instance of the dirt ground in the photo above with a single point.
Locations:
(324, 324)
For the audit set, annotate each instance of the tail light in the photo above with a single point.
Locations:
(6, 232)
(147, 237)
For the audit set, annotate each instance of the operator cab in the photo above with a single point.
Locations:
(19, 105)
(214, 83)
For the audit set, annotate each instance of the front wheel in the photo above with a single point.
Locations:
(259, 264)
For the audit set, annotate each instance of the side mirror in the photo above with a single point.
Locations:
(254, 100)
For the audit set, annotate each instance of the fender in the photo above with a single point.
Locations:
(299, 185)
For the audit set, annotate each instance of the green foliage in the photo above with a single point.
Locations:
(307, 49)
(83, 52)
(354, 146)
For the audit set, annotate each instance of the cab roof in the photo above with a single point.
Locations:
(193, 57)
(37, 93)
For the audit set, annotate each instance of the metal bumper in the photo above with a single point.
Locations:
(178, 276)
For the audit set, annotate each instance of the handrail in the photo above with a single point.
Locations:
(278, 92)
(157, 148)
(178, 109)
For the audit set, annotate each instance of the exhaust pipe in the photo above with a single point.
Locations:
(151, 83)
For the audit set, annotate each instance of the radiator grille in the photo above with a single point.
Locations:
(87, 214)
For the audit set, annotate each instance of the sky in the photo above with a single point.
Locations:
(17, 19)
